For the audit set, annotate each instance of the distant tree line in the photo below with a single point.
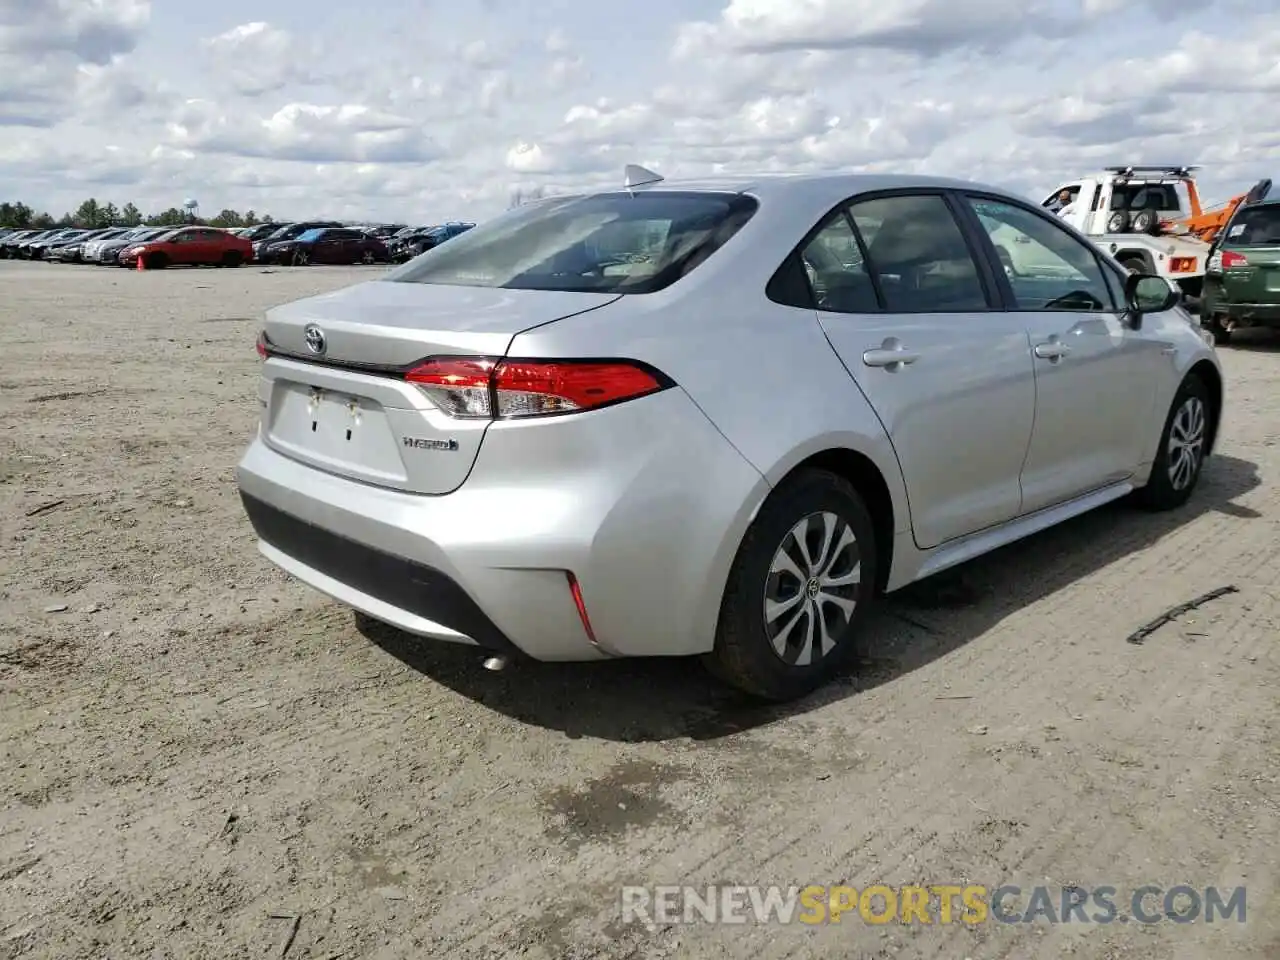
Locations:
(93, 215)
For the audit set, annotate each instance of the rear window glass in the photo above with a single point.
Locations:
(1255, 227)
(310, 235)
(1145, 196)
(616, 242)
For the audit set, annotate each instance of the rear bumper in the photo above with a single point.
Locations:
(385, 586)
(644, 503)
(1252, 313)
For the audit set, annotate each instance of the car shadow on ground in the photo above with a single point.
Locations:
(1254, 340)
(642, 700)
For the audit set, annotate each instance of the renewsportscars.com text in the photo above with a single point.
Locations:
(932, 904)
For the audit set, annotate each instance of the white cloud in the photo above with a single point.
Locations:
(420, 115)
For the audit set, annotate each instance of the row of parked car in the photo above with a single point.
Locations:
(292, 244)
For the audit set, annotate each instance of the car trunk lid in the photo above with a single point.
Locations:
(340, 402)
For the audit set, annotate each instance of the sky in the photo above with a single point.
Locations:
(425, 110)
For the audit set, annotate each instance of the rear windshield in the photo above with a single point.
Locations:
(1145, 196)
(617, 242)
(1255, 227)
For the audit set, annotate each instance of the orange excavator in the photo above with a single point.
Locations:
(1205, 224)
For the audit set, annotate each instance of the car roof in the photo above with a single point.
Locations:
(828, 188)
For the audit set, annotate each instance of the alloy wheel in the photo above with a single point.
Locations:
(812, 587)
(1186, 443)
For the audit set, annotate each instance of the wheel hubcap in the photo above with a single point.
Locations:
(812, 588)
(1186, 443)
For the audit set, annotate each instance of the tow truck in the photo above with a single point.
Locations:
(1135, 214)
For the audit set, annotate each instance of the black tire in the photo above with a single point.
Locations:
(368, 258)
(300, 258)
(155, 261)
(1118, 222)
(231, 259)
(1132, 262)
(744, 655)
(1145, 221)
(1163, 491)
(1221, 335)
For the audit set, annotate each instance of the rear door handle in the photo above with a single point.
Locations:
(891, 358)
(1051, 350)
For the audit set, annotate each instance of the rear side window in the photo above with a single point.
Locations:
(615, 242)
(1254, 227)
(919, 255)
(833, 263)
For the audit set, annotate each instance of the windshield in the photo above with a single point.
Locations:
(1255, 227)
(617, 242)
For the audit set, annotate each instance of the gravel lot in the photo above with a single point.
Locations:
(194, 750)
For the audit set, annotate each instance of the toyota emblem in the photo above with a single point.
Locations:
(315, 339)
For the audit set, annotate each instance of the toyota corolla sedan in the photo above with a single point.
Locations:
(714, 419)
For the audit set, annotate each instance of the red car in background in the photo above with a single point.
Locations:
(189, 246)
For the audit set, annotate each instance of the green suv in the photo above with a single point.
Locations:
(1242, 279)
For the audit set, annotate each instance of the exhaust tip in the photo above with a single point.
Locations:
(495, 663)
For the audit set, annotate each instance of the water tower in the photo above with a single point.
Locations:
(192, 206)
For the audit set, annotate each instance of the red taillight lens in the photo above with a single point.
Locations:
(490, 389)
(262, 345)
(460, 387)
(1232, 259)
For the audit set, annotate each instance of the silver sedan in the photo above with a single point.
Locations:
(715, 418)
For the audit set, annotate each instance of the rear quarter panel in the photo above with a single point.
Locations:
(763, 374)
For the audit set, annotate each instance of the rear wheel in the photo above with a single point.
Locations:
(1180, 456)
(231, 259)
(1132, 262)
(800, 583)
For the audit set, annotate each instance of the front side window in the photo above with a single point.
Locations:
(1047, 267)
(918, 254)
(1065, 195)
(612, 243)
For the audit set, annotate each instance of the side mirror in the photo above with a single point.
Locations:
(1146, 293)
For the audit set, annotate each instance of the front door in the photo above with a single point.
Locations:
(327, 248)
(906, 306)
(1094, 376)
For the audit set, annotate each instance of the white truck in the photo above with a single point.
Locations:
(1128, 212)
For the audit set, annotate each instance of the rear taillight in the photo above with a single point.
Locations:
(1232, 259)
(262, 345)
(485, 388)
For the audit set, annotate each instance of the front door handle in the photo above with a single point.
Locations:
(1051, 350)
(889, 357)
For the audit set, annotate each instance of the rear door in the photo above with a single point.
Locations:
(911, 311)
(1095, 378)
(349, 246)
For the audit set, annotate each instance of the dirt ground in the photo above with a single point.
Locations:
(194, 750)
